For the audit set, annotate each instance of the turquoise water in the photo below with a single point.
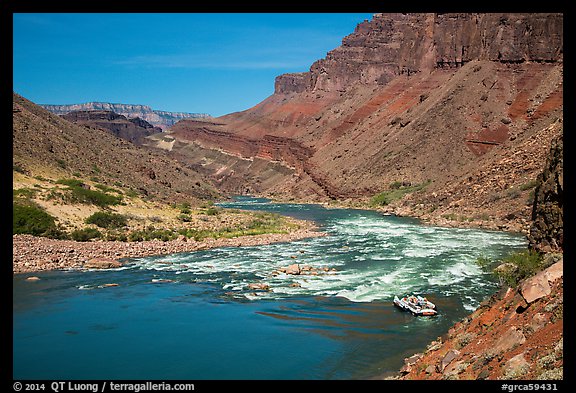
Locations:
(205, 323)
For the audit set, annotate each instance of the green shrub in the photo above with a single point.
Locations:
(71, 182)
(484, 261)
(527, 186)
(106, 188)
(184, 217)
(18, 168)
(184, 207)
(24, 193)
(31, 219)
(77, 193)
(107, 220)
(518, 266)
(55, 233)
(395, 192)
(85, 234)
(212, 211)
(95, 197)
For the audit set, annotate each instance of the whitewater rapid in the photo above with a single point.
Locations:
(375, 257)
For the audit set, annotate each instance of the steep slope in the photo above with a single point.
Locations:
(134, 129)
(464, 103)
(162, 119)
(518, 333)
(44, 143)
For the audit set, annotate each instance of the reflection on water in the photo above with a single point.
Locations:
(194, 316)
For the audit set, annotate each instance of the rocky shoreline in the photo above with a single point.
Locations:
(33, 254)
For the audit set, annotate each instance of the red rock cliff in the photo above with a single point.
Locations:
(395, 44)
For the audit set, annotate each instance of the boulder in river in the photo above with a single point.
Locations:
(259, 286)
(293, 269)
(102, 263)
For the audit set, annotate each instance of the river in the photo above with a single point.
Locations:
(192, 315)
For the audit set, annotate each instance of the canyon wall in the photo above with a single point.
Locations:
(402, 44)
(162, 119)
(134, 129)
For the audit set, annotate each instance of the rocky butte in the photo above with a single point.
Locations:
(466, 104)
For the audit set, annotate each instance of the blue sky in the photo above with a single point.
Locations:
(196, 62)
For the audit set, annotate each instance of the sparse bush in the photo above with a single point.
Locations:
(397, 191)
(55, 233)
(31, 219)
(78, 193)
(131, 193)
(107, 220)
(71, 182)
(85, 234)
(513, 192)
(529, 185)
(212, 211)
(530, 199)
(93, 197)
(18, 168)
(23, 193)
(106, 188)
(521, 265)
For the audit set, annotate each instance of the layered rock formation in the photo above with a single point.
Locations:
(468, 102)
(133, 129)
(403, 44)
(162, 119)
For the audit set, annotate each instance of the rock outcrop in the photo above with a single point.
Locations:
(133, 129)
(547, 229)
(162, 119)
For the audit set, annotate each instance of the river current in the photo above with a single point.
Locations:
(193, 316)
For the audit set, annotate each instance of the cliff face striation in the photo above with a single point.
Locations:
(404, 44)
(162, 119)
(465, 103)
(133, 129)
